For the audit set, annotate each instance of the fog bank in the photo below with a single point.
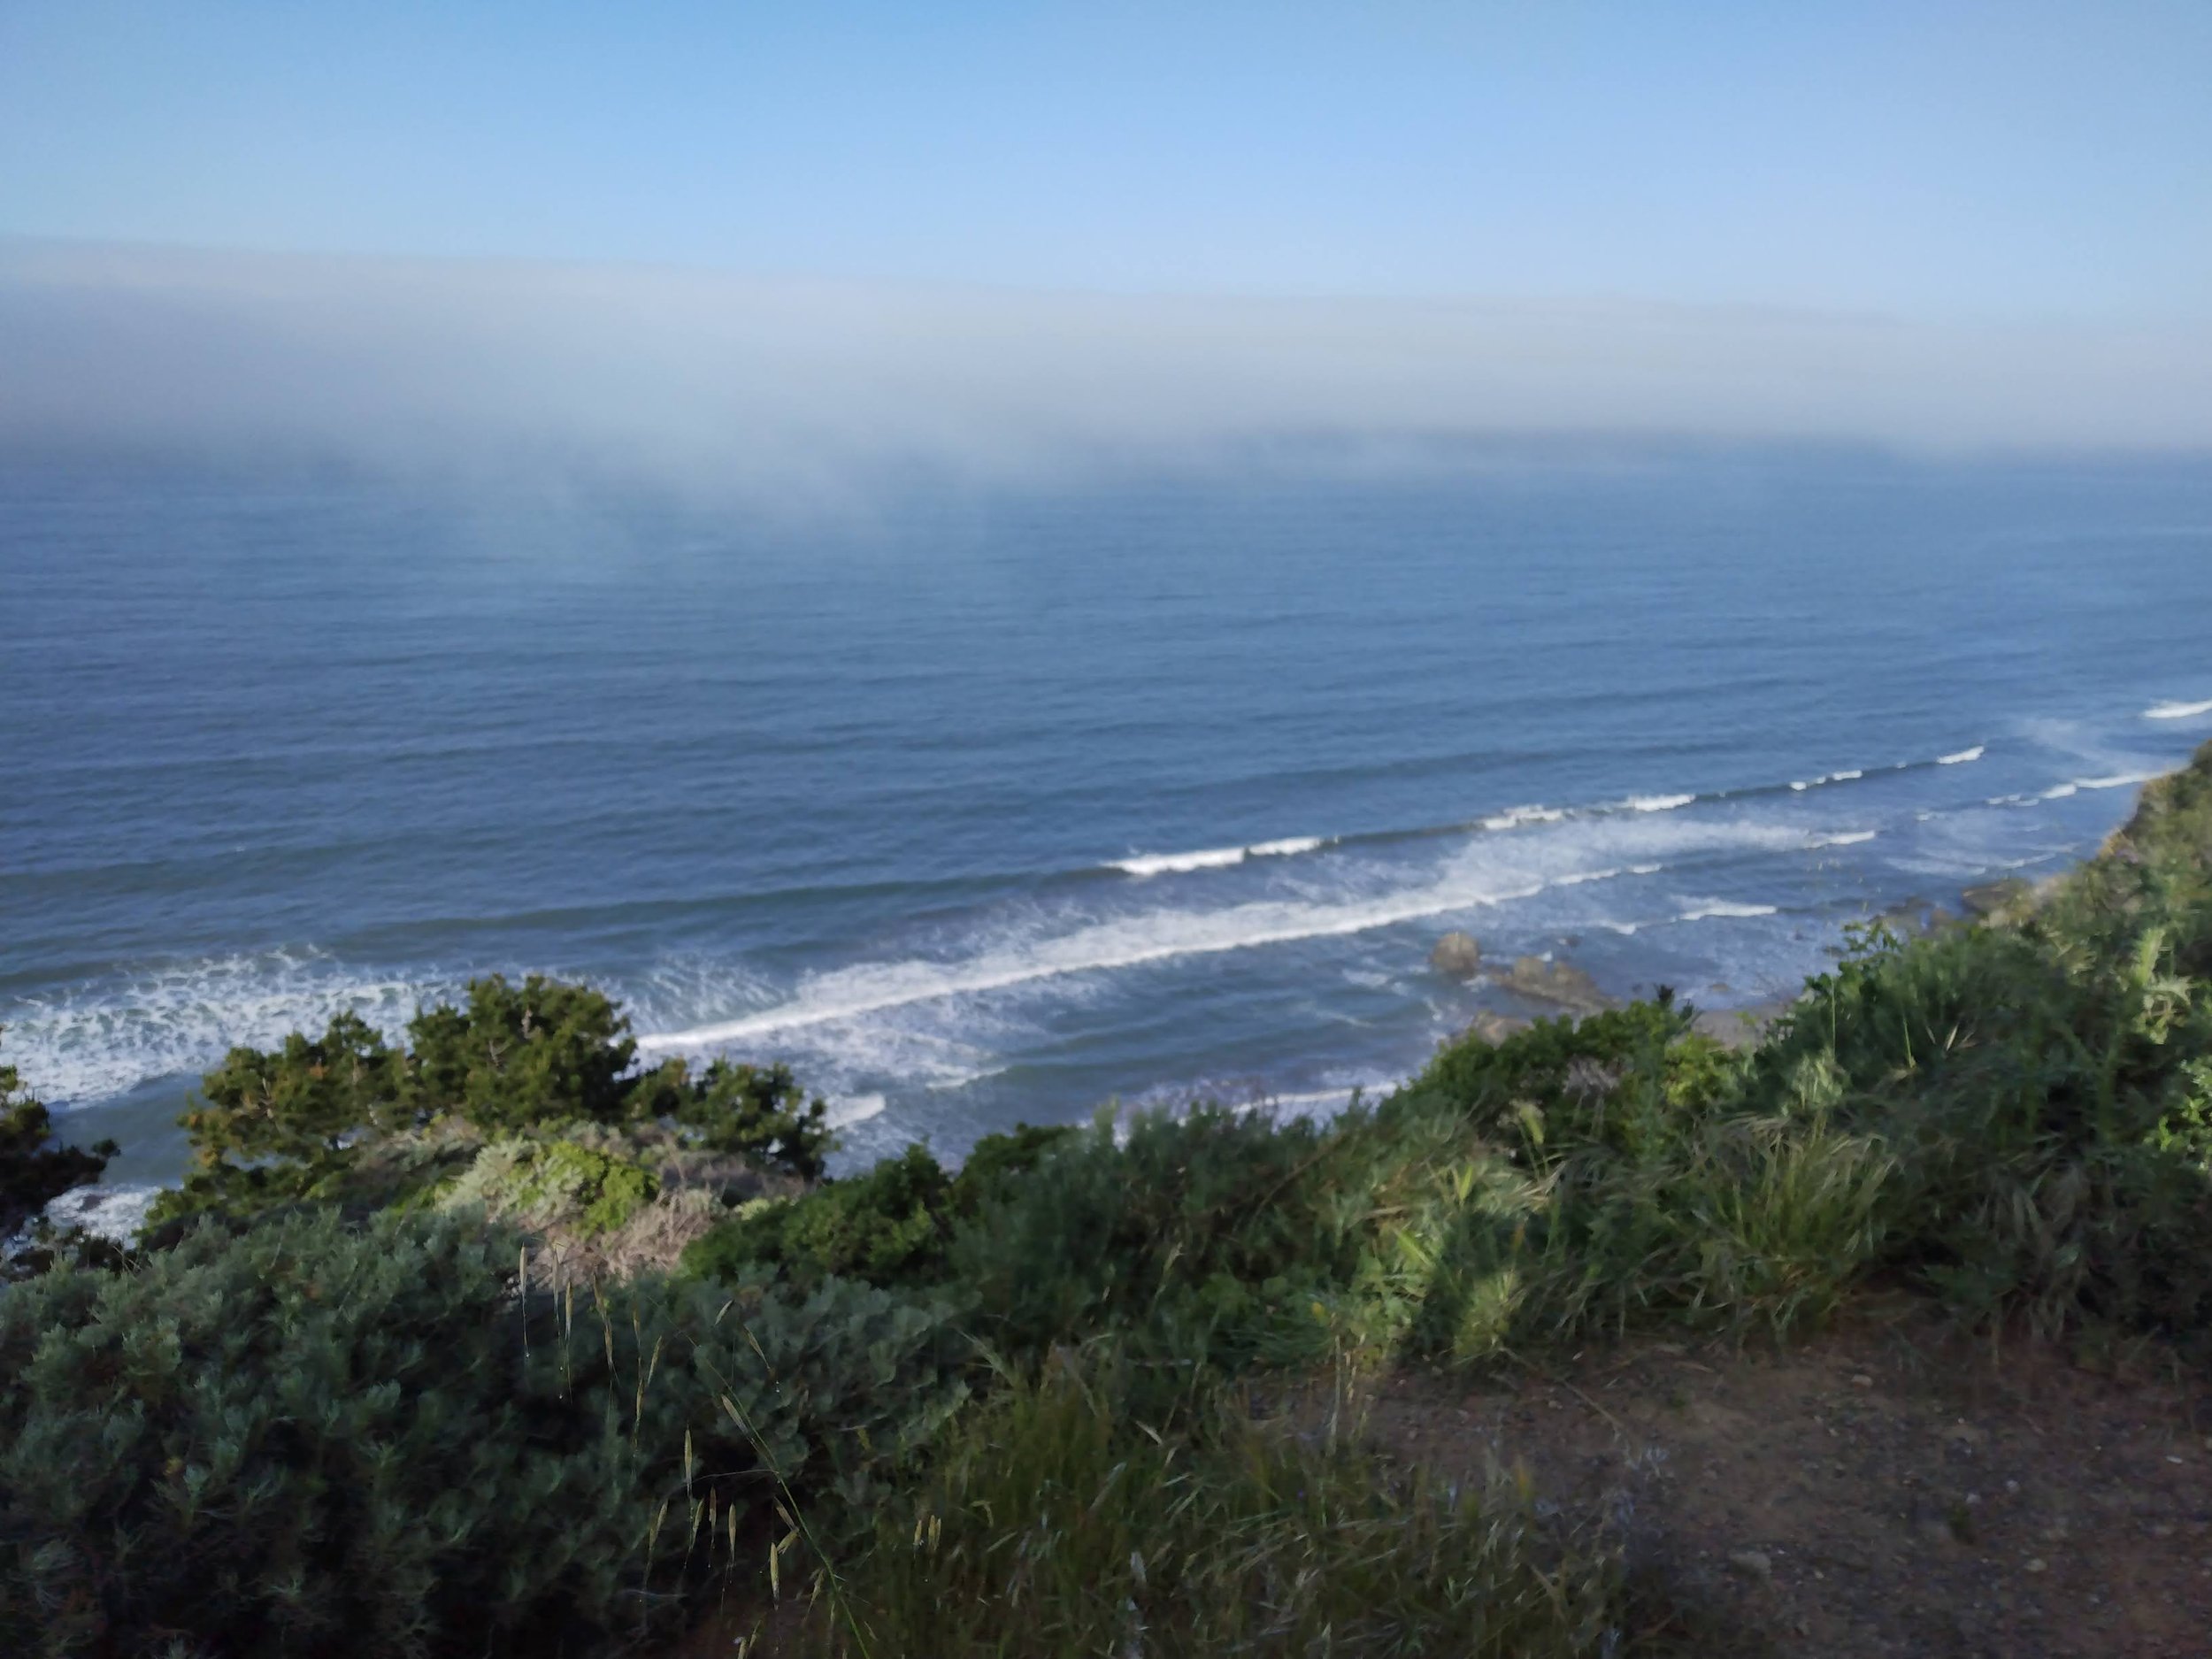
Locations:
(714, 383)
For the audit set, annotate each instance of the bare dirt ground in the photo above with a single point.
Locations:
(1884, 1490)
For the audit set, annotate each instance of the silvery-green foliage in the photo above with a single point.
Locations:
(314, 1439)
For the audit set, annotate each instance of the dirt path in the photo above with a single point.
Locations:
(1882, 1491)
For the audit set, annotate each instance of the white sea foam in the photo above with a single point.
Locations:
(1658, 803)
(111, 1212)
(2177, 710)
(2060, 791)
(1070, 945)
(1180, 863)
(103, 1038)
(1962, 757)
(854, 1109)
(1515, 817)
(1844, 838)
(1587, 876)
(1216, 857)
(1707, 909)
(1828, 777)
(2118, 780)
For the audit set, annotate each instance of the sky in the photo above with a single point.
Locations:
(2022, 192)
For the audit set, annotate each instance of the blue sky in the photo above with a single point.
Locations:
(1958, 162)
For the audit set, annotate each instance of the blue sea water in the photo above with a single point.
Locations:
(979, 804)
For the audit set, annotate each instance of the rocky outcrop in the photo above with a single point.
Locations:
(1458, 955)
(1560, 983)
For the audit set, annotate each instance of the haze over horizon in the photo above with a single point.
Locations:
(769, 249)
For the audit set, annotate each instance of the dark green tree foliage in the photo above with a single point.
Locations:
(733, 1108)
(315, 1439)
(33, 1172)
(303, 1102)
(276, 1126)
(542, 1052)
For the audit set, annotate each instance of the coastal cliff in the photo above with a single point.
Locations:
(493, 1341)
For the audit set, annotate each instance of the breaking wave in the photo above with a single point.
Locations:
(1080, 944)
(1216, 857)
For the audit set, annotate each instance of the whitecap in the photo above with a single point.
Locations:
(2118, 780)
(1287, 848)
(854, 1109)
(1515, 817)
(1180, 863)
(2177, 710)
(1844, 838)
(1658, 803)
(1712, 909)
(1962, 757)
(1216, 857)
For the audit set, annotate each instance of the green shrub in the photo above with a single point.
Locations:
(1157, 1219)
(1060, 1523)
(889, 1225)
(310, 1120)
(2026, 1084)
(311, 1439)
(535, 1179)
(885, 1226)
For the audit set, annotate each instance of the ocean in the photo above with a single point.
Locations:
(979, 804)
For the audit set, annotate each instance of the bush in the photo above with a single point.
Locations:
(890, 1225)
(315, 1439)
(309, 1121)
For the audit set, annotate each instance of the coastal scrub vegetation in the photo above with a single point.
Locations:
(1024, 1405)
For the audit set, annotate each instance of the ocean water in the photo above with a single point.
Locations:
(979, 805)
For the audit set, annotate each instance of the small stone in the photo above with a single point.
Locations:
(1862, 1381)
(2036, 1563)
(1752, 1563)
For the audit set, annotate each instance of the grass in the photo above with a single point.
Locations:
(1059, 1521)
